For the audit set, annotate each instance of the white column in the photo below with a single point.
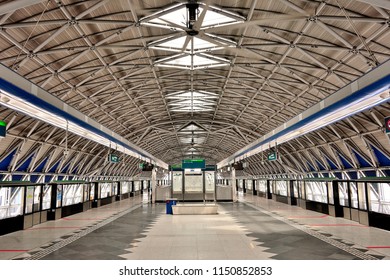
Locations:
(234, 189)
(153, 184)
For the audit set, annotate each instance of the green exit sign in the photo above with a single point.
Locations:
(113, 158)
(3, 128)
(272, 156)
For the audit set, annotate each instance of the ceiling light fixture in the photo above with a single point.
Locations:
(368, 91)
(321, 121)
(74, 125)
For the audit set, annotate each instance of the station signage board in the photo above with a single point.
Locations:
(113, 158)
(175, 167)
(145, 166)
(272, 156)
(3, 129)
(193, 163)
(387, 124)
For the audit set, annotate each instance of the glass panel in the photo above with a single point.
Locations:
(353, 194)
(343, 193)
(380, 197)
(262, 185)
(288, 188)
(37, 199)
(125, 187)
(29, 199)
(280, 187)
(46, 197)
(302, 189)
(78, 193)
(136, 186)
(85, 190)
(194, 182)
(316, 191)
(11, 202)
(249, 184)
(177, 181)
(295, 186)
(91, 191)
(114, 188)
(210, 181)
(362, 196)
(72, 194)
(105, 189)
(273, 186)
(330, 193)
(59, 196)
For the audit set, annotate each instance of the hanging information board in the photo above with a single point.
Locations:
(193, 163)
(273, 156)
(3, 129)
(113, 158)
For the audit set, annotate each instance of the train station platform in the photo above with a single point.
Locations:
(252, 228)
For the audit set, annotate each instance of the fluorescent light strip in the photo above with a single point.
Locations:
(366, 92)
(322, 121)
(20, 105)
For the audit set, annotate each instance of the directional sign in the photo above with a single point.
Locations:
(3, 128)
(113, 158)
(193, 163)
(272, 156)
(387, 124)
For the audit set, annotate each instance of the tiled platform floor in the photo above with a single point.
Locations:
(253, 228)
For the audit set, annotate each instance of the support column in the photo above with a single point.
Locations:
(132, 192)
(118, 191)
(338, 208)
(290, 194)
(254, 190)
(153, 186)
(269, 194)
(243, 185)
(234, 185)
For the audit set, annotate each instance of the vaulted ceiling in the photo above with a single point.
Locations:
(204, 86)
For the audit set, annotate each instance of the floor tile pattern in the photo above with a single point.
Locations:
(67, 242)
(289, 240)
(107, 241)
(197, 237)
(254, 228)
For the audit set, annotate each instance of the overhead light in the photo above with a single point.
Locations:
(385, 94)
(340, 113)
(346, 105)
(29, 109)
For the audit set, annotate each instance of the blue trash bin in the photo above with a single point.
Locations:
(169, 203)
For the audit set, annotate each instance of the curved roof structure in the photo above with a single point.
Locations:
(182, 79)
